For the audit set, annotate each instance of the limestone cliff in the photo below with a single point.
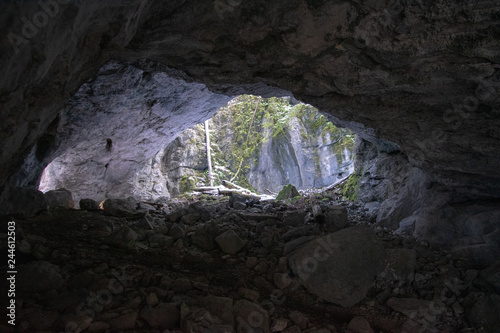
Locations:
(308, 152)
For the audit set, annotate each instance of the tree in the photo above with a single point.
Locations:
(209, 160)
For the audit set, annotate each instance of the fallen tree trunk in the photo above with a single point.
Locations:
(334, 185)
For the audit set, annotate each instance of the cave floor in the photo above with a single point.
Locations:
(87, 272)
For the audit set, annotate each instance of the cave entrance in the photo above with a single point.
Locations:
(130, 141)
(261, 144)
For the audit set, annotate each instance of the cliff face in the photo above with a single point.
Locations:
(140, 110)
(309, 152)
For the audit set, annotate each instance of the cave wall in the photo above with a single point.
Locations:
(422, 75)
(141, 109)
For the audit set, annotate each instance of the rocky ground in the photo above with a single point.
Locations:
(215, 265)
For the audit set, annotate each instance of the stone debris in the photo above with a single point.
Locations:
(60, 198)
(245, 271)
(88, 204)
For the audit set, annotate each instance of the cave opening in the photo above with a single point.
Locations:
(417, 251)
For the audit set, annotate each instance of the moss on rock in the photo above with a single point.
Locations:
(289, 191)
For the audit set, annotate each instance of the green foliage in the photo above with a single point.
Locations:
(351, 186)
(289, 191)
(187, 184)
(250, 122)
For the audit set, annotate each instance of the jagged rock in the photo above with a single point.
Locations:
(294, 218)
(200, 321)
(410, 307)
(282, 280)
(38, 277)
(98, 326)
(250, 317)
(164, 315)
(359, 325)
(279, 324)
(337, 216)
(299, 319)
(60, 198)
(182, 285)
(340, 267)
(24, 202)
(293, 244)
(124, 237)
(229, 242)
(176, 231)
(121, 208)
(88, 204)
(400, 265)
(492, 276)
(204, 237)
(221, 307)
(287, 192)
(239, 206)
(293, 329)
(485, 312)
(39, 320)
(237, 198)
(123, 322)
(76, 323)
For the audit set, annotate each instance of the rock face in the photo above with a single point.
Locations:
(142, 115)
(340, 267)
(420, 74)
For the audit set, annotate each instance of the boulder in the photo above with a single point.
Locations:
(359, 325)
(124, 322)
(287, 192)
(340, 267)
(60, 198)
(229, 242)
(89, 204)
(337, 216)
(294, 218)
(164, 315)
(250, 317)
(485, 313)
(38, 277)
(121, 208)
(24, 202)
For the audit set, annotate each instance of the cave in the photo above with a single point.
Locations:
(417, 81)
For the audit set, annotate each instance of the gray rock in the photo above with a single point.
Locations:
(359, 325)
(38, 277)
(60, 198)
(239, 206)
(400, 265)
(282, 280)
(410, 307)
(293, 244)
(250, 317)
(299, 319)
(204, 238)
(294, 218)
(164, 315)
(24, 202)
(124, 237)
(182, 285)
(229, 242)
(89, 204)
(123, 322)
(485, 312)
(176, 231)
(337, 216)
(279, 324)
(293, 329)
(340, 267)
(121, 208)
(221, 307)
